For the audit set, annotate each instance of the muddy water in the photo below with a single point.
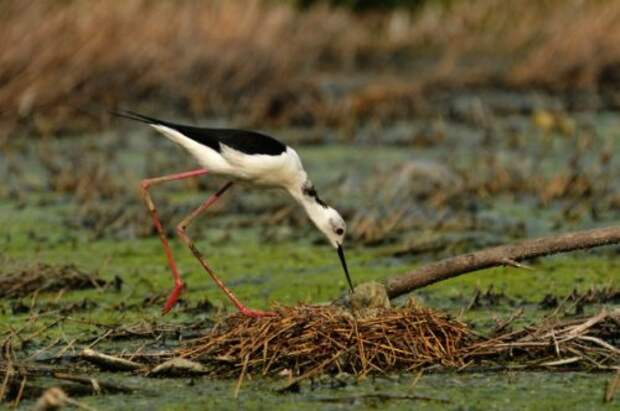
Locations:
(80, 206)
(494, 391)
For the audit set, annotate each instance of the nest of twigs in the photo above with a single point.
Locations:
(306, 340)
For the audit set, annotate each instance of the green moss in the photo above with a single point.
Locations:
(488, 391)
(291, 270)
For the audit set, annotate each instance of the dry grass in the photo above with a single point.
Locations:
(266, 61)
(42, 278)
(578, 47)
(305, 341)
(210, 57)
(309, 340)
(586, 343)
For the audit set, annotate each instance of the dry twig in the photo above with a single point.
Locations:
(108, 361)
(583, 342)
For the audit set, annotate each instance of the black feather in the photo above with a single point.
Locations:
(248, 142)
(309, 190)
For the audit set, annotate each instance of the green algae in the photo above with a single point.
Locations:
(298, 266)
(287, 273)
(473, 391)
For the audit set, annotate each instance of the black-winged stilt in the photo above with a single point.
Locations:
(245, 156)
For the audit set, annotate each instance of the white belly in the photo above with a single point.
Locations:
(284, 170)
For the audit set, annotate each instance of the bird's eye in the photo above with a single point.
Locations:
(339, 231)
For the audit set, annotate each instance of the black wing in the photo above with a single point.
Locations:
(248, 142)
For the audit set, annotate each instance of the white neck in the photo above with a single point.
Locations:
(314, 210)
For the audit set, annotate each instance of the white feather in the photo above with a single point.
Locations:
(207, 157)
(284, 170)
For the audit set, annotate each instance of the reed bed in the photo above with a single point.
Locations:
(266, 62)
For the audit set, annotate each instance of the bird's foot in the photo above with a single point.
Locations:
(256, 313)
(173, 298)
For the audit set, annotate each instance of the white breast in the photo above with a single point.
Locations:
(283, 170)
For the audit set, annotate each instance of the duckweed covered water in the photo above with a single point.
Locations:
(267, 254)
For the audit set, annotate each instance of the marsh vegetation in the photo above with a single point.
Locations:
(437, 130)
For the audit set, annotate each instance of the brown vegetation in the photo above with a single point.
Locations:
(310, 339)
(307, 342)
(43, 278)
(589, 342)
(67, 62)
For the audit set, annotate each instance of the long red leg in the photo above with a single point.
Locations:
(144, 190)
(182, 226)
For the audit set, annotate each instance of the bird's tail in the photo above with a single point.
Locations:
(177, 133)
(132, 115)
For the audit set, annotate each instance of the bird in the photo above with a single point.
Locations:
(243, 156)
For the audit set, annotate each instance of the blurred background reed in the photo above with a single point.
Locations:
(334, 63)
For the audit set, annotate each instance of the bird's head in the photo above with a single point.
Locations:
(328, 220)
(333, 226)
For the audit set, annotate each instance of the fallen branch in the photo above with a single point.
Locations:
(509, 255)
(109, 361)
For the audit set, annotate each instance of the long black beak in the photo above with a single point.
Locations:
(344, 266)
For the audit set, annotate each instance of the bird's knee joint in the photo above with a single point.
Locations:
(181, 230)
(144, 185)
